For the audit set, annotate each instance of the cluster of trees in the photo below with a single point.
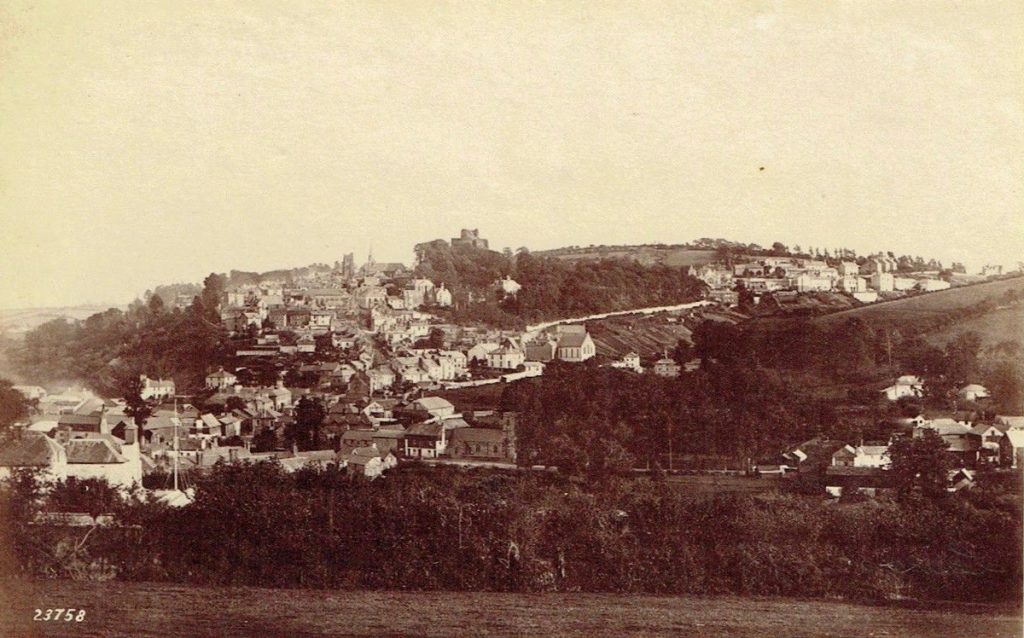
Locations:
(550, 287)
(13, 407)
(854, 350)
(596, 421)
(110, 348)
(445, 528)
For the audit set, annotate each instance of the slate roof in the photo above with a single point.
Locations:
(318, 455)
(455, 424)
(432, 429)
(363, 455)
(160, 422)
(572, 340)
(981, 428)
(33, 450)
(433, 403)
(92, 451)
(477, 435)
(89, 407)
(90, 420)
(946, 427)
(210, 421)
(357, 435)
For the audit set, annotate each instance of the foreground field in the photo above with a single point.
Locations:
(127, 609)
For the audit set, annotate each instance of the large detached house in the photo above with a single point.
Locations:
(905, 386)
(508, 356)
(155, 388)
(861, 456)
(666, 367)
(221, 380)
(426, 440)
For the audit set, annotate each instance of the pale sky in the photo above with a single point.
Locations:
(154, 142)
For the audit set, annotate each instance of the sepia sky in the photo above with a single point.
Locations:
(146, 143)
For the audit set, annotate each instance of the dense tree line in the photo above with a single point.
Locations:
(592, 420)
(444, 528)
(551, 288)
(855, 351)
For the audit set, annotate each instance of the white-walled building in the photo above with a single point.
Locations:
(221, 380)
(443, 296)
(861, 456)
(574, 344)
(905, 386)
(882, 281)
(155, 388)
(932, 285)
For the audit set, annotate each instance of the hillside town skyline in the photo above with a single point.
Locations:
(388, 252)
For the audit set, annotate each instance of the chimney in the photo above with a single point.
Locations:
(131, 433)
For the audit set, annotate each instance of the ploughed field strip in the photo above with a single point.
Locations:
(150, 609)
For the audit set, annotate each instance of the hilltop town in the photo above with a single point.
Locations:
(475, 397)
(357, 366)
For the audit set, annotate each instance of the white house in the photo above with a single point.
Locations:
(853, 283)
(932, 285)
(107, 458)
(155, 388)
(480, 351)
(370, 462)
(807, 282)
(882, 281)
(905, 386)
(973, 392)
(861, 456)
(509, 286)
(629, 362)
(221, 380)
(443, 296)
(666, 367)
(508, 356)
(848, 269)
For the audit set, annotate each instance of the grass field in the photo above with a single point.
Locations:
(1004, 324)
(133, 609)
(930, 304)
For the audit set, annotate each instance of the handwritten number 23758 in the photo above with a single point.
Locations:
(67, 615)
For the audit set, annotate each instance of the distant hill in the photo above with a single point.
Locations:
(648, 255)
(15, 323)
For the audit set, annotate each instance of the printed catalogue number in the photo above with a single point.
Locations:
(59, 614)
